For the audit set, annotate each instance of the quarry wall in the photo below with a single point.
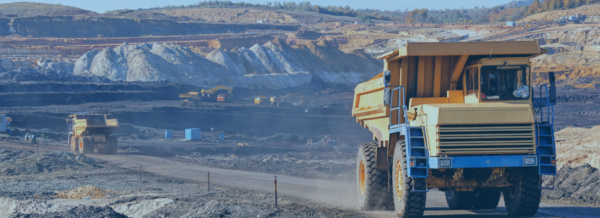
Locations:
(77, 27)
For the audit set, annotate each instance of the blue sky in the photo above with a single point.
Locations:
(102, 6)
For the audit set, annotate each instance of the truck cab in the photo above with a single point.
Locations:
(459, 117)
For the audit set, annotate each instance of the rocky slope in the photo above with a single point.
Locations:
(578, 146)
(573, 55)
(231, 15)
(84, 26)
(273, 65)
(578, 161)
(30, 9)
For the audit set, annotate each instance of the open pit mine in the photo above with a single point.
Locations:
(221, 109)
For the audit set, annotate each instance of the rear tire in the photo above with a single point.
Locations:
(463, 200)
(487, 198)
(406, 202)
(372, 184)
(524, 198)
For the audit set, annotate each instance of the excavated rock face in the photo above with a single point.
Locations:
(231, 15)
(573, 55)
(273, 65)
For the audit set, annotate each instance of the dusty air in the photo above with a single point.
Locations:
(299, 109)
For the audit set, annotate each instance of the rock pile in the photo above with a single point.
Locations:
(273, 65)
(578, 160)
(14, 163)
(79, 211)
(578, 185)
(578, 146)
(88, 191)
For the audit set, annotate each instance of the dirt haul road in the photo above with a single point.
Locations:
(335, 193)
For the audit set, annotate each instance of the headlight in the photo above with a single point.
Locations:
(445, 162)
(529, 161)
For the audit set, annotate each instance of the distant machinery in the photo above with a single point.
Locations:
(259, 99)
(218, 94)
(281, 100)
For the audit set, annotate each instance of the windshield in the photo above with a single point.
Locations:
(505, 82)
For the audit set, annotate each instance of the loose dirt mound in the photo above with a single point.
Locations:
(81, 211)
(90, 191)
(589, 10)
(578, 146)
(29, 162)
(142, 208)
(577, 185)
(273, 65)
(578, 160)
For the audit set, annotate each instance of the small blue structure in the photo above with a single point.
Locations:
(192, 134)
(168, 134)
(510, 23)
(221, 136)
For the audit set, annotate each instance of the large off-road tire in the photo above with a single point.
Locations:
(85, 145)
(113, 145)
(524, 198)
(74, 143)
(372, 184)
(406, 202)
(462, 200)
(487, 198)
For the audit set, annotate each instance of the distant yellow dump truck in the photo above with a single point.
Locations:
(190, 99)
(459, 117)
(92, 131)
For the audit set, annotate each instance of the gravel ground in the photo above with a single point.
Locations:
(315, 163)
(32, 194)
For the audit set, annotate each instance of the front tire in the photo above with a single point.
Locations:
(371, 183)
(406, 202)
(74, 144)
(524, 198)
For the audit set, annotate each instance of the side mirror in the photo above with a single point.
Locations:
(387, 96)
(387, 77)
(552, 88)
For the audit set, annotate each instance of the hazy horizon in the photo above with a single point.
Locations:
(108, 5)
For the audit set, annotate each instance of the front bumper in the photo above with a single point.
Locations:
(483, 161)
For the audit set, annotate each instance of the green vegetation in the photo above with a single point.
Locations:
(512, 11)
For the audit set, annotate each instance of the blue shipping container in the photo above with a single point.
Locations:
(168, 134)
(192, 134)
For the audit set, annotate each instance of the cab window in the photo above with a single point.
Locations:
(505, 82)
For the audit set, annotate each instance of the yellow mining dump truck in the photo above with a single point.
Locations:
(459, 117)
(92, 131)
(281, 100)
(190, 99)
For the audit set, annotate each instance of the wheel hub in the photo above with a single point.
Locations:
(398, 180)
(361, 177)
